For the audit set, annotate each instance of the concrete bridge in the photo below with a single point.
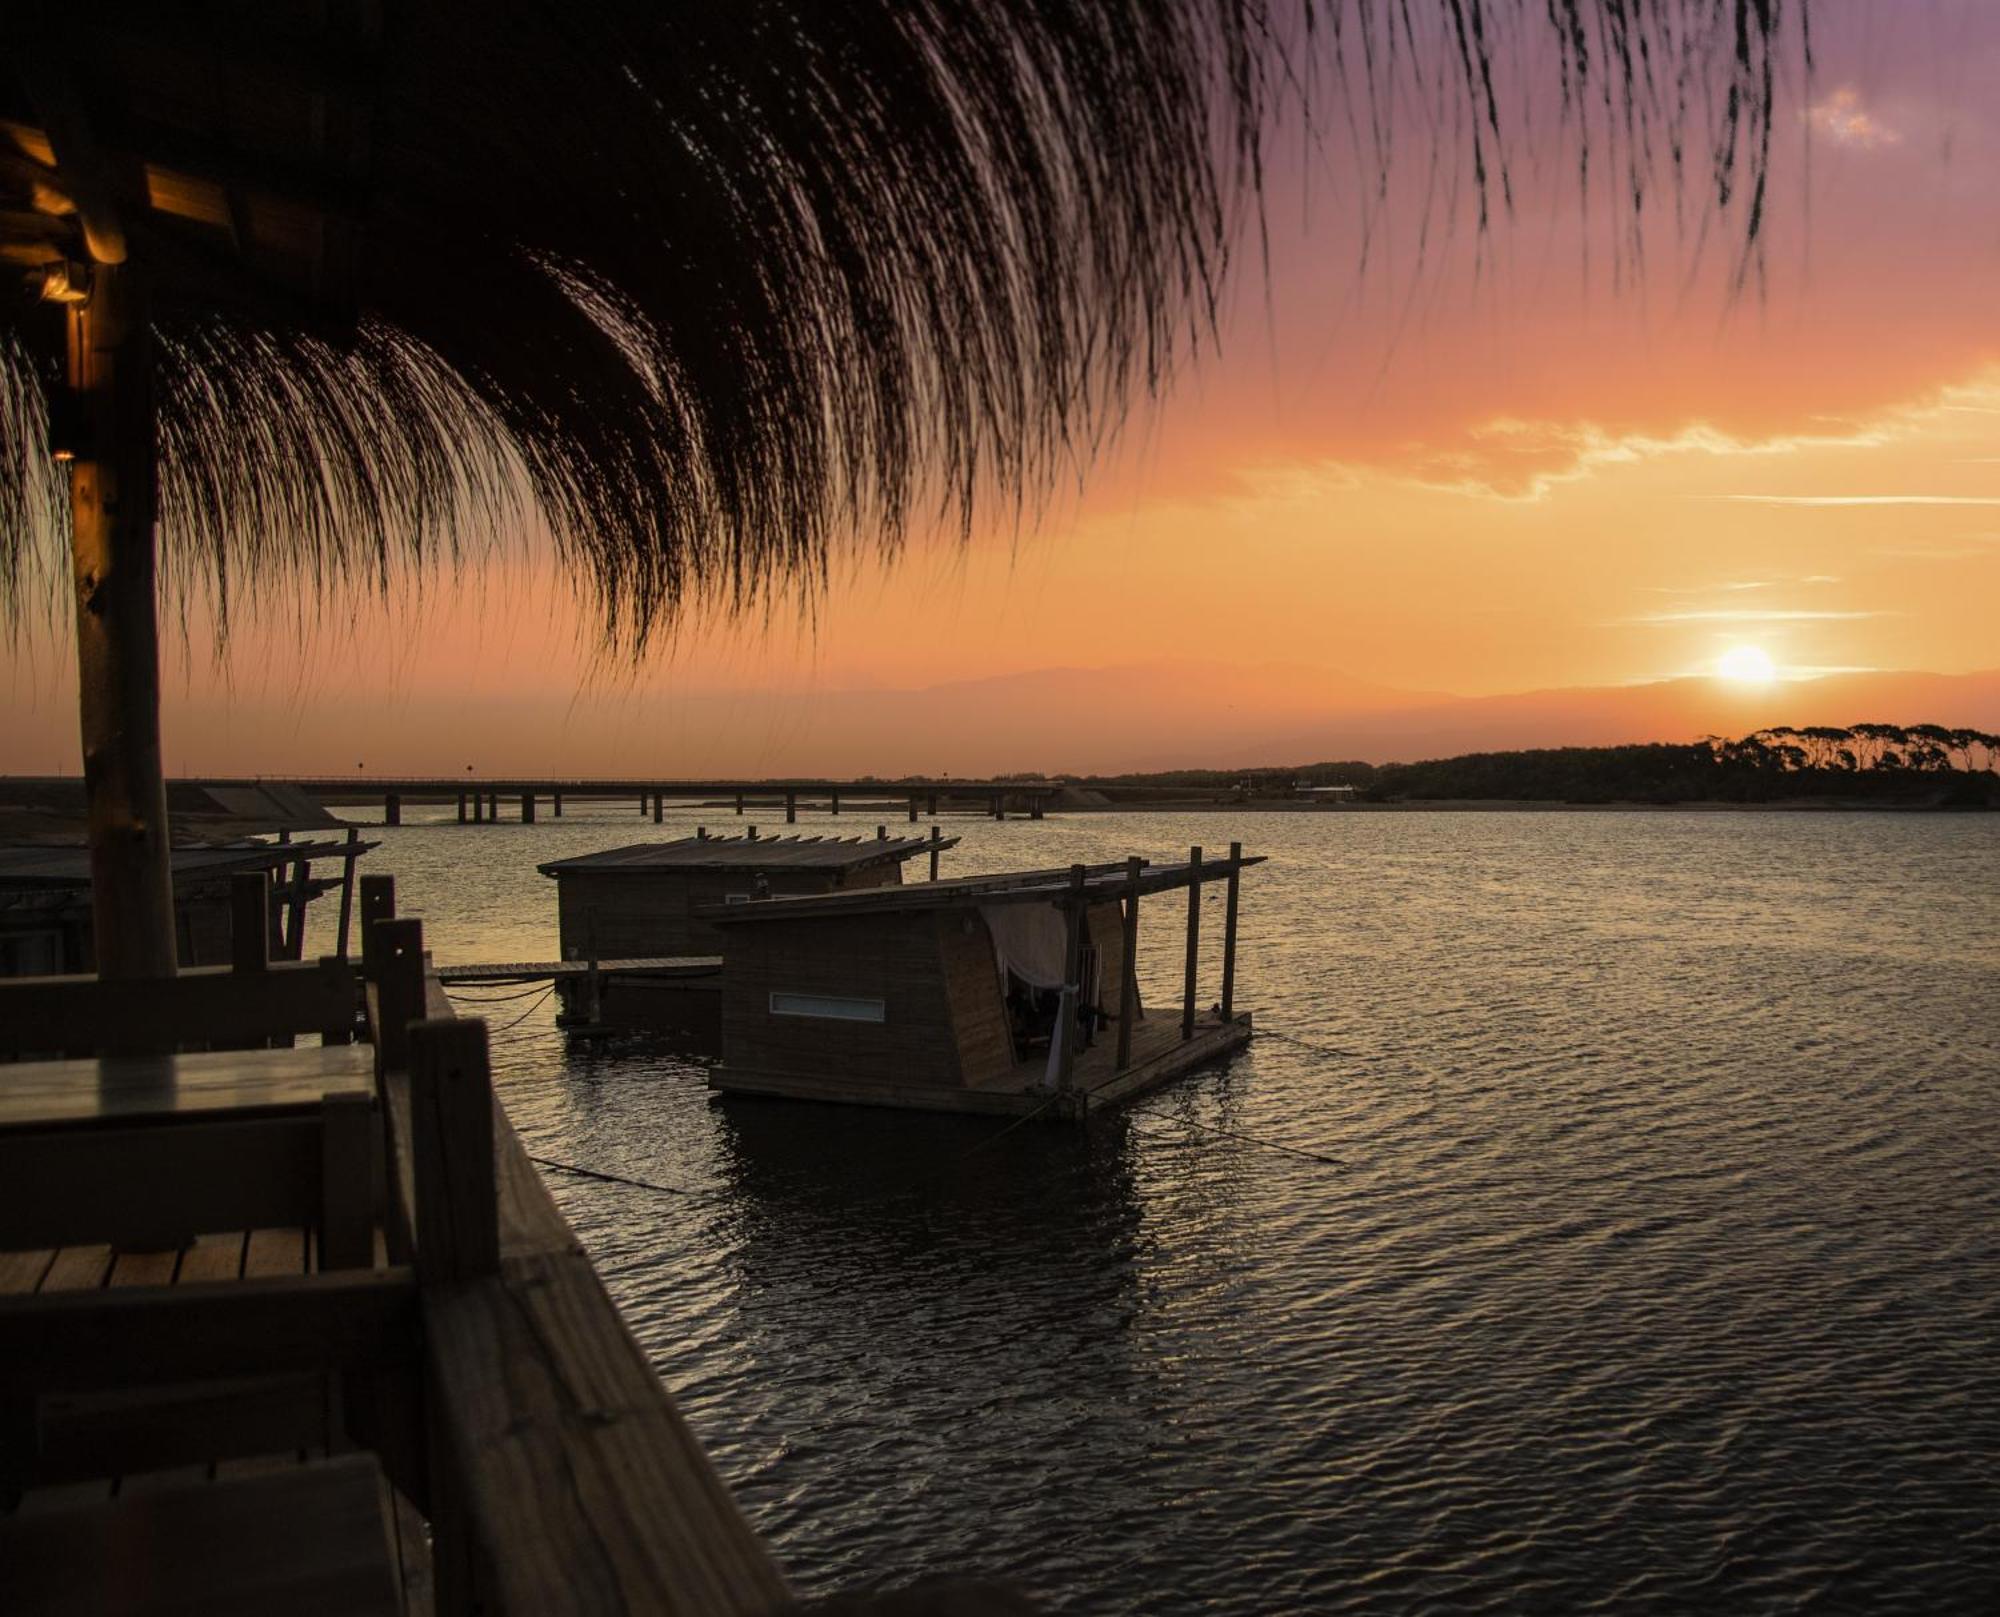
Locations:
(479, 800)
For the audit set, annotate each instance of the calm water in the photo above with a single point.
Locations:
(1654, 1265)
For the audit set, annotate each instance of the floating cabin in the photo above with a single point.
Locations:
(45, 910)
(1006, 994)
(649, 903)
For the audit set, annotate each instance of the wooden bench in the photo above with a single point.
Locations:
(309, 1541)
(151, 1150)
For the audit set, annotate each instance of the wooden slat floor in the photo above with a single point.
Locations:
(233, 1255)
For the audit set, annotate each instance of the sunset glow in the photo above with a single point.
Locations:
(1429, 465)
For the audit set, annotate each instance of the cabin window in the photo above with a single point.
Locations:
(831, 1007)
(735, 898)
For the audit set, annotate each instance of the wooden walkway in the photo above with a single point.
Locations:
(550, 971)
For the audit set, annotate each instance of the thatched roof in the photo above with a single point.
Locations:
(702, 289)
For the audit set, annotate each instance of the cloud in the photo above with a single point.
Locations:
(1661, 620)
(1841, 118)
(1858, 499)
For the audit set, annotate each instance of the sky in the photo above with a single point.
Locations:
(1527, 460)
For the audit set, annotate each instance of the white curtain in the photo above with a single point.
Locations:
(1029, 940)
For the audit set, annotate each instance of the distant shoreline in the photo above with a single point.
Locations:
(1515, 805)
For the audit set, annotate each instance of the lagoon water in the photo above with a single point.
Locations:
(1643, 1253)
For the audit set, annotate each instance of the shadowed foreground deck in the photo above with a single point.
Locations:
(1159, 1055)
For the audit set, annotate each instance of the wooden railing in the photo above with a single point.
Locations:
(560, 1477)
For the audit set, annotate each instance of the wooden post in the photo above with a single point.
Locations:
(1035, 807)
(1229, 933)
(1070, 1006)
(527, 808)
(881, 833)
(937, 835)
(739, 805)
(295, 912)
(400, 988)
(753, 833)
(791, 807)
(701, 833)
(913, 810)
(932, 806)
(451, 1150)
(250, 920)
(378, 904)
(1128, 988)
(113, 488)
(1193, 942)
(352, 854)
(392, 809)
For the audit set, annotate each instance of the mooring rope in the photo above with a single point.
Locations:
(494, 999)
(616, 1178)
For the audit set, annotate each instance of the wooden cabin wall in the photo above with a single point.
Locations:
(632, 915)
(893, 958)
(978, 1007)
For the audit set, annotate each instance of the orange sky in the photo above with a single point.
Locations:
(1502, 466)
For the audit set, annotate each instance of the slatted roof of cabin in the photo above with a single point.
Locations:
(745, 853)
(1101, 883)
(70, 867)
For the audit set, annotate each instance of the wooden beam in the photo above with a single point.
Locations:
(1193, 944)
(348, 859)
(1229, 931)
(378, 904)
(400, 986)
(161, 1335)
(451, 1144)
(81, 1016)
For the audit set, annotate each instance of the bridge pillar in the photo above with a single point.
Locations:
(461, 808)
(931, 807)
(392, 809)
(791, 807)
(835, 797)
(493, 808)
(739, 803)
(527, 808)
(642, 805)
(659, 807)
(558, 805)
(999, 805)
(1035, 807)
(913, 810)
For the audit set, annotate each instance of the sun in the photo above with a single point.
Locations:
(1746, 665)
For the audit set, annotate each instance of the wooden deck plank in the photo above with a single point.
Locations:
(21, 1272)
(274, 1252)
(212, 1257)
(144, 1268)
(78, 1268)
(124, 1089)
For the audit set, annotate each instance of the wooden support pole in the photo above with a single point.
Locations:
(527, 808)
(1229, 932)
(834, 802)
(791, 807)
(392, 809)
(378, 904)
(913, 811)
(739, 804)
(701, 833)
(1128, 986)
(753, 833)
(451, 1150)
(1071, 1009)
(937, 836)
(250, 921)
(348, 860)
(400, 989)
(1193, 942)
(295, 911)
(881, 833)
(932, 807)
(113, 489)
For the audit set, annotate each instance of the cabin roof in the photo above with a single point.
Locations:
(70, 867)
(1101, 883)
(747, 853)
